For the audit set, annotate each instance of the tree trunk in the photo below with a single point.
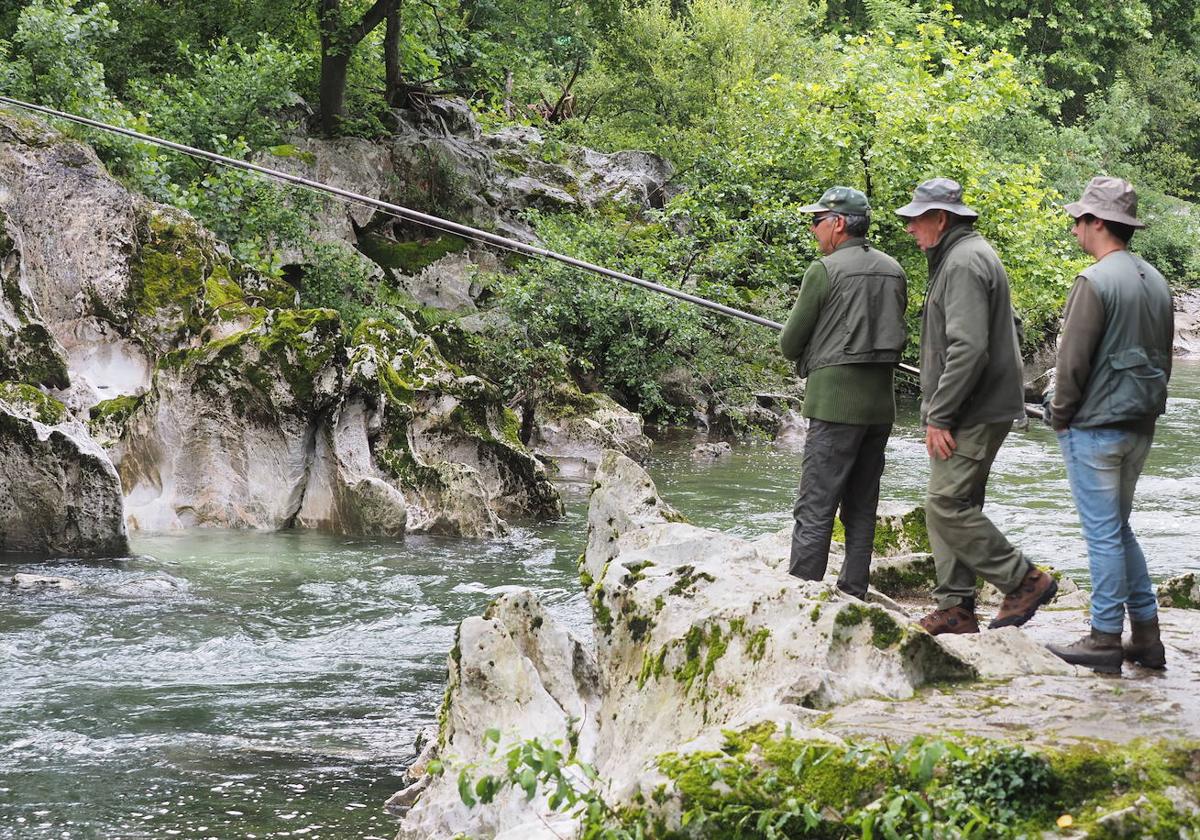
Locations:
(334, 67)
(338, 40)
(394, 90)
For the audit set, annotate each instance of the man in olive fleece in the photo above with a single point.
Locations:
(971, 392)
(845, 332)
(1114, 361)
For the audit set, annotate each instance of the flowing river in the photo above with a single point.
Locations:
(246, 685)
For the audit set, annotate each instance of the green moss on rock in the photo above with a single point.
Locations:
(32, 403)
(409, 257)
(114, 412)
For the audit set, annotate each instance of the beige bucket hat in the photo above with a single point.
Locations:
(1111, 199)
(937, 194)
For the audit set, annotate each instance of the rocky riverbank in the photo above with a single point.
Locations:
(154, 357)
(712, 672)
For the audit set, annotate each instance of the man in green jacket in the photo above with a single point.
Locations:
(1114, 361)
(971, 392)
(845, 332)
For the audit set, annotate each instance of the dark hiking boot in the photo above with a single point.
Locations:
(1035, 589)
(1097, 650)
(956, 619)
(1145, 647)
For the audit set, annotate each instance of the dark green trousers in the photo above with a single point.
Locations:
(965, 542)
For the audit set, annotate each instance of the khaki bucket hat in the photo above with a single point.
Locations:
(1111, 199)
(937, 194)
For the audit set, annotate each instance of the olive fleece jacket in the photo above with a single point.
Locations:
(971, 369)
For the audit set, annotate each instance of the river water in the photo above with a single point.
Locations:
(243, 685)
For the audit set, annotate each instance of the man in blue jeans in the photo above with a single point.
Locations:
(1114, 361)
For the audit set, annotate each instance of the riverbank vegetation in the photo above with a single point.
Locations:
(764, 785)
(759, 105)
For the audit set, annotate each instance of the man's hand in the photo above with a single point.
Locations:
(939, 443)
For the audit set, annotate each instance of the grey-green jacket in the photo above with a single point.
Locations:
(970, 356)
(1115, 356)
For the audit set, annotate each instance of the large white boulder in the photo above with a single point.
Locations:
(225, 436)
(572, 432)
(696, 633)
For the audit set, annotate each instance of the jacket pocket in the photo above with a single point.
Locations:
(1139, 386)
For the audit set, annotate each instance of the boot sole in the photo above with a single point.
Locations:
(1018, 620)
(1111, 667)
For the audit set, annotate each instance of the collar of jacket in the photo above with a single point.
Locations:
(852, 242)
(949, 239)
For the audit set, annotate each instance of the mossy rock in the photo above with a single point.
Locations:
(409, 257)
(107, 419)
(813, 788)
(181, 282)
(28, 401)
(896, 532)
(1182, 592)
(291, 348)
(28, 352)
(904, 576)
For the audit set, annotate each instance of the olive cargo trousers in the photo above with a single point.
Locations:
(965, 542)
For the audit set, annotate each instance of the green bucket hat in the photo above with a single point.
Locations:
(845, 200)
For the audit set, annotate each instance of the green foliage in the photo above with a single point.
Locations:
(336, 277)
(51, 59)
(226, 90)
(608, 335)
(761, 786)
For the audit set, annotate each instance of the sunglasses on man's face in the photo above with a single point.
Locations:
(818, 219)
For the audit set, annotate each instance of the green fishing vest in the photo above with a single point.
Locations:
(862, 319)
(1131, 364)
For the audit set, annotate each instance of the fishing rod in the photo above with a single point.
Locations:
(427, 220)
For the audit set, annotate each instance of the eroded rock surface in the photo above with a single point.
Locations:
(59, 493)
(696, 633)
(220, 402)
(573, 432)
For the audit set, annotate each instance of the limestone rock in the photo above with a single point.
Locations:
(573, 430)
(42, 583)
(696, 633)
(348, 163)
(1004, 653)
(517, 671)
(28, 352)
(793, 430)
(224, 436)
(639, 178)
(711, 451)
(345, 493)
(59, 493)
(1187, 324)
(446, 439)
(1182, 591)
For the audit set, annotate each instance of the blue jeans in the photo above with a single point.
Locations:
(1103, 466)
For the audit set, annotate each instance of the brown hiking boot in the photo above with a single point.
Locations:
(956, 619)
(1035, 589)
(1097, 650)
(1145, 646)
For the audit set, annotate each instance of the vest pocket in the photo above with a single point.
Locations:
(1139, 387)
